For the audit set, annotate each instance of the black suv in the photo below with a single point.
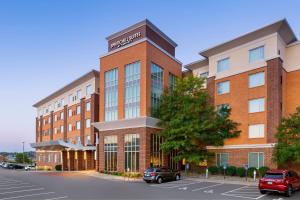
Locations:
(160, 174)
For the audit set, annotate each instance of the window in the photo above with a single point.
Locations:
(61, 129)
(256, 131)
(88, 90)
(78, 94)
(256, 54)
(70, 98)
(257, 79)
(256, 159)
(256, 105)
(49, 119)
(156, 153)
(111, 95)
(78, 141)
(156, 86)
(132, 90)
(48, 133)
(172, 82)
(223, 87)
(88, 106)
(221, 110)
(222, 159)
(223, 65)
(70, 127)
(49, 157)
(70, 112)
(87, 123)
(70, 140)
(204, 76)
(55, 118)
(55, 130)
(62, 115)
(55, 158)
(62, 102)
(77, 110)
(132, 152)
(78, 125)
(110, 152)
(88, 140)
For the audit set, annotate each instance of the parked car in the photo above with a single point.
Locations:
(29, 167)
(160, 174)
(14, 166)
(282, 181)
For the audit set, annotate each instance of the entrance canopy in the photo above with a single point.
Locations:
(60, 145)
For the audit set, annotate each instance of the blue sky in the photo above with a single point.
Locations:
(46, 44)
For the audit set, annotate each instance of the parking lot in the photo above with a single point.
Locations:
(73, 185)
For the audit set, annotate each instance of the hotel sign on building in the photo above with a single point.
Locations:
(125, 41)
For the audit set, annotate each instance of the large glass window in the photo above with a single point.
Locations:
(256, 105)
(222, 159)
(257, 79)
(172, 82)
(256, 54)
(256, 159)
(156, 153)
(223, 87)
(88, 90)
(156, 85)
(223, 65)
(111, 95)
(132, 152)
(110, 151)
(132, 90)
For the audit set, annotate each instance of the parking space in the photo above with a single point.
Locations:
(248, 192)
(18, 189)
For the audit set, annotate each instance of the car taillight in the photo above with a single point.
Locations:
(152, 174)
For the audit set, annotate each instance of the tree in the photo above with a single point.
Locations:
(190, 123)
(287, 149)
(19, 158)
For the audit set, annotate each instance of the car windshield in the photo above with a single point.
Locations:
(150, 169)
(274, 175)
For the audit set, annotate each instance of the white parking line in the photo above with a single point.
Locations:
(57, 198)
(8, 188)
(28, 195)
(14, 184)
(11, 192)
(246, 192)
(182, 185)
(197, 189)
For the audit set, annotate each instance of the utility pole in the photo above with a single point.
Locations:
(23, 153)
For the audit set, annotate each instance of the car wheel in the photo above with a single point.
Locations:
(263, 191)
(159, 180)
(289, 191)
(177, 177)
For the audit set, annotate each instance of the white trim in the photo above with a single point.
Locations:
(243, 146)
(138, 42)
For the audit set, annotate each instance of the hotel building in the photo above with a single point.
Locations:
(64, 131)
(258, 76)
(103, 120)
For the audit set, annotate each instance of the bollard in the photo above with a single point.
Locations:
(254, 175)
(206, 173)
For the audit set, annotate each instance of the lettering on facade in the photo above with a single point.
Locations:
(125, 40)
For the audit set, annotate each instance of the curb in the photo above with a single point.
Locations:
(223, 181)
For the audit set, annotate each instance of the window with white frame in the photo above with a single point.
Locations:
(78, 94)
(55, 158)
(48, 131)
(256, 54)
(223, 65)
(49, 157)
(49, 119)
(55, 118)
(132, 152)
(61, 129)
(55, 130)
(256, 131)
(256, 105)
(88, 106)
(223, 87)
(111, 94)
(78, 140)
(110, 153)
(88, 140)
(222, 159)
(70, 112)
(69, 127)
(87, 123)
(78, 125)
(257, 79)
(88, 90)
(70, 98)
(78, 110)
(61, 115)
(256, 159)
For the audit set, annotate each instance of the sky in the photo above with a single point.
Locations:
(46, 44)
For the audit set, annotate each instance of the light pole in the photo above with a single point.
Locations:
(23, 153)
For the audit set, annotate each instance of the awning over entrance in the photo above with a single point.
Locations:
(60, 145)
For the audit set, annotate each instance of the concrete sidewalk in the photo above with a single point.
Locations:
(110, 177)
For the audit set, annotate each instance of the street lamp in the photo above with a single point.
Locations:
(23, 153)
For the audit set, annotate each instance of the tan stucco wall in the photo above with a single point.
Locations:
(292, 61)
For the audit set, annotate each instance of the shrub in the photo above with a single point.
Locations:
(250, 171)
(213, 169)
(231, 170)
(58, 167)
(262, 170)
(240, 171)
(221, 170)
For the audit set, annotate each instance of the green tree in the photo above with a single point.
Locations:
(19, 158)
(287, 148)
(190, 122)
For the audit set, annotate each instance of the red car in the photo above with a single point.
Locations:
(282, 181)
